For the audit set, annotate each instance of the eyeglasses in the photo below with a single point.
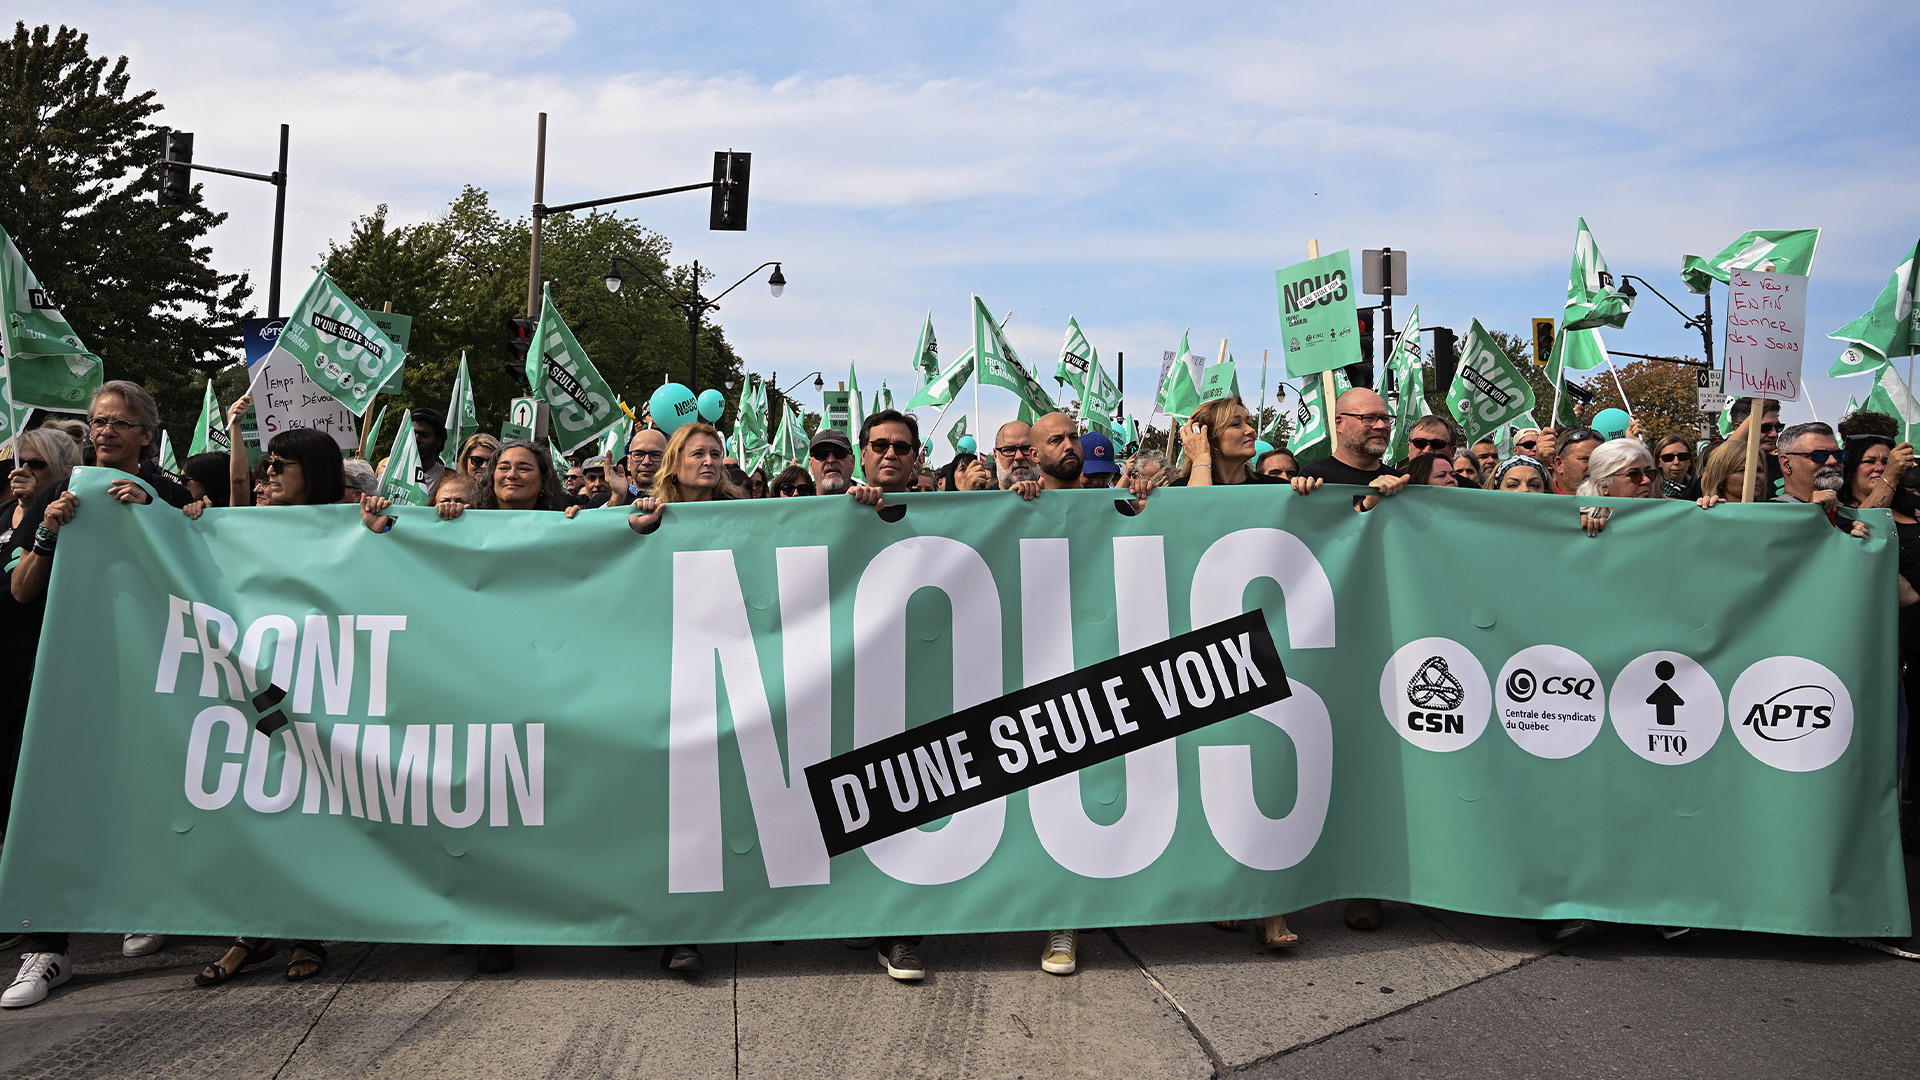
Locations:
(822, 453)
(644, 456)
(1639, 474)
(790, 490)
(1581, 435)
(119, 426)
(478, 461)
(1528, 445)
(1011, 452)
(1818, 457)
(33, 463)
(1370, 418)
(1425, 445)
(900, 447)
(1682, 455)
(276, 465)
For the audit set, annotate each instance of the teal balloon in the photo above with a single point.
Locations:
(712, 405)
(1611, 423)
(1261, 446)
(966, 445)
(672, 405)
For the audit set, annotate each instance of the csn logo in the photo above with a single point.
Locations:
(1793, 713)
(1522, 685)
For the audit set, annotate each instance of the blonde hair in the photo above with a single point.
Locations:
(1725, 460)
(666, 482)
(1213, 414)
(61, 453)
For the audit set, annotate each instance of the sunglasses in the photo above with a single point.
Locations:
(478, 461)
(1639, 474)
(1528, 445)
(822, 453)
(1819, 457)
(35, 464)
(1681, 456)
(1425, 445)
(790, 490)
(1583, 435)
(275, 465)
(1771, 429)
(900, 447)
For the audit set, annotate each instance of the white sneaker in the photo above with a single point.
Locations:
(1060, 956)
(142, 944)
(39, 973)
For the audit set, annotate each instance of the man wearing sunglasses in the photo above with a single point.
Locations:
(830, 459)
(1576, 448)
(1431, 435)
(1813, 465)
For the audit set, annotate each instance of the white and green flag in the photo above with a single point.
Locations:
(46, 365)
(371, 443)
(1410, 383)
(1130, 431)
(463, 422)
(926, 354)
(1488, 390)
(561, 375)
(1592, 300)
(1100, 401)
(1179, 392)
(339, 345)
(946, 385)
(404, 481)
(168, 463)
(1312, 434)
(855, 400)
(750, 431)
(210, 431)
(13, 418)
(1891, 328)
(1077, 357)
(884, 399)
(957, 432)
(790, 442)
(1891, 396)
(613, 444)
(1001, 366)
(1775, 251)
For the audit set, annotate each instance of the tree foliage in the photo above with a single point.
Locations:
(463, 276)
(78, 192)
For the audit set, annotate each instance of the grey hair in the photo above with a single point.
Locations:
(1153, 457)
(359, 476)
(140, 404)
(1789, 440)
(1611, 458)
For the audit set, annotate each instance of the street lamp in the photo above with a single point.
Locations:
(1702, 322)
(693, 303)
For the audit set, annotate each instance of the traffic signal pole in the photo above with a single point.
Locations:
(279, 227)
(539, 197)
(176, 164)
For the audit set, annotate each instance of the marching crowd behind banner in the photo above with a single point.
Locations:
(517, 727)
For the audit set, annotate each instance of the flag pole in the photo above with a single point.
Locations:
(1261, 417)
(1326, 377)
(1623, 390)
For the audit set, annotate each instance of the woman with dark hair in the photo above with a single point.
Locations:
(1676, 461)
(1876, 465)
(206, 477)
(793, 482)
(1432, 470)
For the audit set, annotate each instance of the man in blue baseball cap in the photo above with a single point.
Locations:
(1097, 467)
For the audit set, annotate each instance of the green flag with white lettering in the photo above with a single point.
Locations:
(1776, 251)
(1892, 326)
(404, 481)
(463, 422)
(168, 463)
(945, 385)
(47, 367)
(1409, 384)
(561, 375)
(210, 431)
(1077, 357)
(926, 354)
(339, 345)
(1000, 366)
(1592, 300)
(1312, 435)
(1179, 391)
(1488, 390)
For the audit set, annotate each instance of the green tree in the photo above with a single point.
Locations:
(78, 184)
(463, 275)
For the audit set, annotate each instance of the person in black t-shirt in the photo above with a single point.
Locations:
(1219, 440)
(42, 458)
(1361, 429)
(123, 423)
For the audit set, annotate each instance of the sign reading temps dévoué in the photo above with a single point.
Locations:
(1435, 693)
(1550, 701)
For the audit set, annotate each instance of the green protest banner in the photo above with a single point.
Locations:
(1312, 437)
(561, 375)
(839, 411)
(1001, 366)
(46, 365)
(339, 345)
(1318, 320)
(957, 432)
(1708, 745)
(1488, 390)
(942, 388)
(1410, 383)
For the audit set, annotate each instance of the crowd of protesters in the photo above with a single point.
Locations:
(1864, 465)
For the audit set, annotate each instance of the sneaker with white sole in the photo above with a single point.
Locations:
(39, 973)
(902, 962)
(1062, 952)
(142, 944)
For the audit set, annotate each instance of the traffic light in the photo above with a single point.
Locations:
(1361, 374)
(1446, 358)
(520, 336)
(730, 174)
(1542, 341)
(176, 178)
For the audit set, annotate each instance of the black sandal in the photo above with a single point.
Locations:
(256, 950)
(318, 960)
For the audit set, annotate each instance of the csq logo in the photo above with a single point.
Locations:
(1549, 700)
(1522, 684)
(1791, 713)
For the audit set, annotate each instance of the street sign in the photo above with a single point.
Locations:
(1712, 385)
(1542, 341)
(526, 419)
(1372, 261)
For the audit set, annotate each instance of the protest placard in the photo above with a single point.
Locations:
(1766, 322)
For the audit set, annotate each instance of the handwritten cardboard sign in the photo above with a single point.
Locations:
(1766, 325)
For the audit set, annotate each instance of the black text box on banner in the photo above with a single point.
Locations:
(1046, 730)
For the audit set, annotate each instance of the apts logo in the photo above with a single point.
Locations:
(1436, 694)
(1792, 714)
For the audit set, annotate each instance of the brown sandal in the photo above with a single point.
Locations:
(1273, 933)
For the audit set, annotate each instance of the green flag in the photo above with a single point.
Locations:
(613, 444)
(561, 375)
(168, 463)
(1100, 401)
(750, 431)
(855, 399)
(47, 367)
(1488, 390)
(340, 346)
(210, 431)
(1777, 251)
(946, 385)
(404, 481)
(1575, 350)
(1857, 359)
(790, 443)
(957, 432)
(1591, 298)
(1000, 365)
(372, 441)
(1179, 391)
(1892, 327)
(1077, 357)
(884, 399)
(1891, 396)
(1312, 436)
(1220, 381)
(13, 418)
(1130, 431)
(1409, 381)
(926, 354)
(463, 422)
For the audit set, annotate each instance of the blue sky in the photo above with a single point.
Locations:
(1143, 167)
